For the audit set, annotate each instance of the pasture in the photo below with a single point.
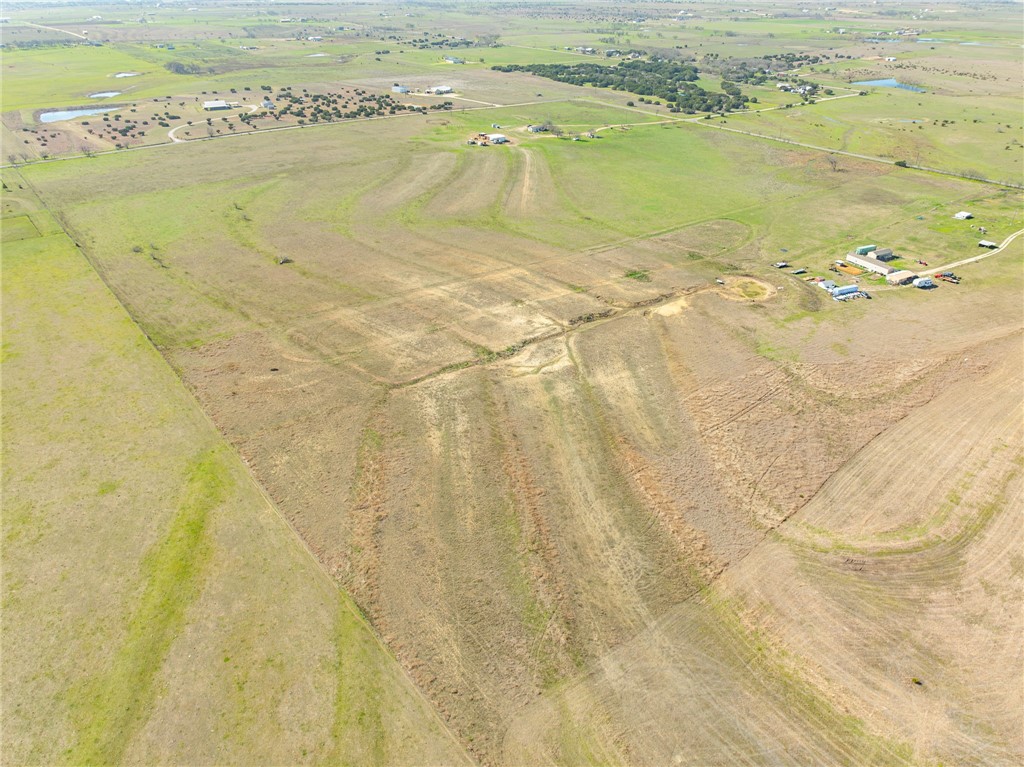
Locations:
(150, 589)
(358, 443)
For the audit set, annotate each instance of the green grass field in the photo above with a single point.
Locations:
(149, 589)
(961, 135)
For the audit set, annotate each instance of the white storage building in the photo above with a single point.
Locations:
(871, 264)
(844, 290)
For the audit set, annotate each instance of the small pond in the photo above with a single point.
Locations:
(104, 94)
(70, 114)
(889, 82)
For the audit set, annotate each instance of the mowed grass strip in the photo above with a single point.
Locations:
(17, 228)
(111, 706)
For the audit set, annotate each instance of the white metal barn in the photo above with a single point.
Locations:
(871, 264)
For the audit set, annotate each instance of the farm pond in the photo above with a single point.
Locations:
(70, 114)
(890, 82)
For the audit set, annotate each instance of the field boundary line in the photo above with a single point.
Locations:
(871, 158)
(347, 600)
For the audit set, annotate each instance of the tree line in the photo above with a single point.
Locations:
(669, 81)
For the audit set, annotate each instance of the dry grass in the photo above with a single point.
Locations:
(601, 508)
(150, 590)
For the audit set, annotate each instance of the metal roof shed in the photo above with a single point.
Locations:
(845, 290)
(901, 277)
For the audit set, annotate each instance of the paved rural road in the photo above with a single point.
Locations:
(548, 50)
(703, 121)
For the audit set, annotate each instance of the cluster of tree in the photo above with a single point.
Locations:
(447, 41)
(328, 107)
(46, 43)
(129, 128)
(759, 71)
(645, 78)
(795, 58)
(668, 81)
(179, 68)
(754, 71)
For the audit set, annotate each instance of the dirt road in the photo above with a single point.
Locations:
(55, 29)
(986, 254)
